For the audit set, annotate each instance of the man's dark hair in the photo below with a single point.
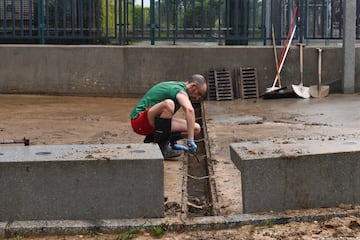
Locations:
(198, 79)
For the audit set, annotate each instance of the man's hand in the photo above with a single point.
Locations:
(191, 145)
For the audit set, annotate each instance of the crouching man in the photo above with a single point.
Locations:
(153, 115)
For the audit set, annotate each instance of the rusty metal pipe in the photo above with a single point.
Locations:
(24, 140)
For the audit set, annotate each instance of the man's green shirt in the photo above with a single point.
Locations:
(158, 93)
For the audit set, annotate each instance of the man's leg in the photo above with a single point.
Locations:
(160, 116)
(179, 125)
(149, 138)
(159, 132)
(175, 136)
(162, 137)
(162, 129)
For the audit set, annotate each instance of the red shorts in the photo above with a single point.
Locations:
(141, 124)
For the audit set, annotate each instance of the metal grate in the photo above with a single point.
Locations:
(236, 83)
(211, 91)
(248, 83)
(220, 85)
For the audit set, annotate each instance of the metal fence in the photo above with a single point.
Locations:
(230, 22)
(57, 21)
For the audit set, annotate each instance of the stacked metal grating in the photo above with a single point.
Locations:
(220, 86)
(246, 84)
(211, 91)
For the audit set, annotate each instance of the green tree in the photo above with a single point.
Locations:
(107, 17)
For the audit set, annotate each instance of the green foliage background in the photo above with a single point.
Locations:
(107, 18)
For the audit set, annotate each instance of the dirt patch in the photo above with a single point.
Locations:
(89, 120)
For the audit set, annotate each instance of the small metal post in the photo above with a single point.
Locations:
(349, 41)
(152, 21)
(41, 22)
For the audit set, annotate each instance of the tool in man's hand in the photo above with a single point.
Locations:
(190, 149)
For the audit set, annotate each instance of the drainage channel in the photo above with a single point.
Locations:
(201, 198)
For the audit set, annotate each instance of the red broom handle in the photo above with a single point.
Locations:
(289, 34)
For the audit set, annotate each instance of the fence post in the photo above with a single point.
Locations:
(276, 19)
(41, 22)
(152, 21)
(119, 22)
(349, 46)
(301, 21)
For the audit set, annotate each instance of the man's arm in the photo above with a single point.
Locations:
(185, 103)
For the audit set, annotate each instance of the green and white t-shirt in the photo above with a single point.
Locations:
(158, 93)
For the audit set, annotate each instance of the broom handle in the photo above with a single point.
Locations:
(275, 54)
(289, 32)
(286, 45)
(319, 69)
(301, 63)
(285, 54)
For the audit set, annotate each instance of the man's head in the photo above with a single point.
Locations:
(196, 86)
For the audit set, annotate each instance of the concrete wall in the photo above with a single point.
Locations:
(81, 182)
(128, 71)
(297, 175)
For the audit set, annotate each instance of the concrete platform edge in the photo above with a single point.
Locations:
(26, 228)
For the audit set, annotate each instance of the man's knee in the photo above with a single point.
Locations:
(197, 128)
(168, 107)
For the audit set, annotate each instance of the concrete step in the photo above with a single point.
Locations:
(81, 182)
(284, 175)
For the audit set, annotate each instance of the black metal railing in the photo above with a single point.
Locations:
(59, 21)
(230, 22)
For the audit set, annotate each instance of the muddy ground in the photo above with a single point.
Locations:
(89, 120)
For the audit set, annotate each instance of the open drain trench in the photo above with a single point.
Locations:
(199, 197)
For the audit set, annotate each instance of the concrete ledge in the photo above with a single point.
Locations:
(303, 174)
(81, 182)
(61, 69)
(26, 228)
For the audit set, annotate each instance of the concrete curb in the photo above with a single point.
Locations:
(26, 228)
(220, 222)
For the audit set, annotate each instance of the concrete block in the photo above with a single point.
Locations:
(81, 182)
(297, 175)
